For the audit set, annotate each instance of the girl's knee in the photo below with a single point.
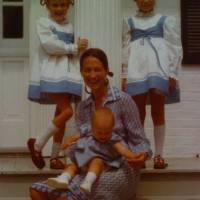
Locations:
(69, 112)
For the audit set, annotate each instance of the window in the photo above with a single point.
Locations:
(14, 19)
(190, 31)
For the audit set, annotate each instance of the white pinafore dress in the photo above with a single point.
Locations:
(151, 57)
(55, 67)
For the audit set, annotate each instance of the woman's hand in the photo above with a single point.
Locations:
(172, 83)
(139, 160)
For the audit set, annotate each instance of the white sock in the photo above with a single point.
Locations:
(42, 140)
(159, 137)
(55, 150)
(90, 178)
(65, 176)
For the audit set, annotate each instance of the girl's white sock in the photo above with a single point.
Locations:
(159, 137)
(42, 140)
(55, 150)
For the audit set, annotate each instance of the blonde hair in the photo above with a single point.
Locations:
(103, 113)
(44, 2)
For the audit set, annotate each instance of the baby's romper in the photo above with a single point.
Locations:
(55, 68)
(87, 148)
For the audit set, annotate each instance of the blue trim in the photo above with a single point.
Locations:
(35, 91)
(139, 87)
(68, 38)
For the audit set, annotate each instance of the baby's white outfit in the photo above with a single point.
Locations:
(55, 67)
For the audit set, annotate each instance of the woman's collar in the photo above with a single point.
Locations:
(113, 94)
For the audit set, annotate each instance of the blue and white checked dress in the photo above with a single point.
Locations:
(55, 66)
(120, 184)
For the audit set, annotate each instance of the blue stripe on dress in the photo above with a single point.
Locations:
(68, 38)
(142, 86)
(35, 90)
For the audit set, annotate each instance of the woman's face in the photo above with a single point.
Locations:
(58, 9)
(145, 6)
(93, 73)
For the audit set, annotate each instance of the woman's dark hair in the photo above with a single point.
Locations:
(44, 2)
(97, 53)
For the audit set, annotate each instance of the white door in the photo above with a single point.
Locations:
(14, 55)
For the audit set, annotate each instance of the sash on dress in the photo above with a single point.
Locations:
(156, 31)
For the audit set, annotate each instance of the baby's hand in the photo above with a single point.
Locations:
(82, 44)
(66, 145)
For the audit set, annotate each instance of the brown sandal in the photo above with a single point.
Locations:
(55, 163)
(159, 162)
(36, 157)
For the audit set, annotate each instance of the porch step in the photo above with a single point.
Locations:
(179, 181)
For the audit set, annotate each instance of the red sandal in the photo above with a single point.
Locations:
(36, 156)
(159, 162)
(55, 163)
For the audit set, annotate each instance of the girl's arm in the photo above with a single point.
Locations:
(50, 42)
(172, 38)
(126, 39)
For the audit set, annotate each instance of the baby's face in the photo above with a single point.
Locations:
(58, 9)
(102, 132)
(145, 6)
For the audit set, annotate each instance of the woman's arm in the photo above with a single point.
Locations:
(135, 160)
(137, 140)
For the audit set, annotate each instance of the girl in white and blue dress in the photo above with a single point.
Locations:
(55, 77)
(151, 56)
(96, 149)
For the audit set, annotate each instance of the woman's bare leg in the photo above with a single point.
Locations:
(37, 195)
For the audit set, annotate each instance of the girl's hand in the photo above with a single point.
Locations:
(172, 83)
(82, 44)
(139, 160)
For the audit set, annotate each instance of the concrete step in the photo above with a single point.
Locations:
(179, 181)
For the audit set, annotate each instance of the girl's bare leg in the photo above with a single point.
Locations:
(140, 101)
(63, 113)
